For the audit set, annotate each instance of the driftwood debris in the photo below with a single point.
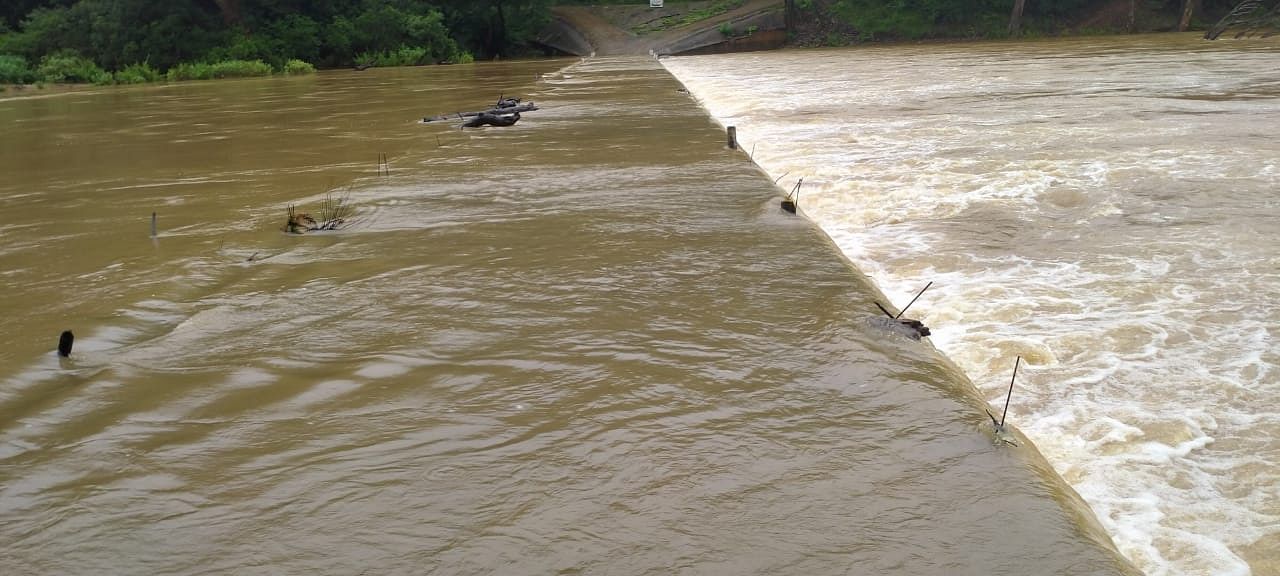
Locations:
(487, 119)
(505, 112)
(913, 329)
(335, 212)
(509, 110)
(907, 328)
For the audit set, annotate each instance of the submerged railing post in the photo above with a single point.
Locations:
(913, 300)
(732, 133)
(1000, 425)
(792, 200)
(153, 225)
(1010, 396)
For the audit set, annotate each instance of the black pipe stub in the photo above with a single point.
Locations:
(65, 342)
(789, 206)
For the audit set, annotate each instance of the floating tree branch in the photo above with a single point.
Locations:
(528, 107)
(335, 212)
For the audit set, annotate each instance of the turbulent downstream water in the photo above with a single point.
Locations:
(1109, 209)
(590, 343)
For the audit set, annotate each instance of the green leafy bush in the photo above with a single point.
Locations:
(68, 68)
(402, 56)
(222, 69)
(189, 71)
(240, 69)
(138, 73)
(14, 70)
(295, 66)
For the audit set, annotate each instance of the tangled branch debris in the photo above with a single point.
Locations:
(335, 212)
(505, 112)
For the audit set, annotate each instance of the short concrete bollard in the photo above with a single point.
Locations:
(733, 137)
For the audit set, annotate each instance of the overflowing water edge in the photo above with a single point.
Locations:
(1103, 208)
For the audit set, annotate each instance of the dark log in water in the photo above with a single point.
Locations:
(913, 329)
(495, 111)
(487, 119)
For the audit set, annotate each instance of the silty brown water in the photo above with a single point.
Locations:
(589, 343)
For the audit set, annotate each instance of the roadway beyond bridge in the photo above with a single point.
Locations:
(705, 27)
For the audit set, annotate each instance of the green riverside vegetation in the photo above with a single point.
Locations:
(139, 41)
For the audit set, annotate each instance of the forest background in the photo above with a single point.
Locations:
(134, 41)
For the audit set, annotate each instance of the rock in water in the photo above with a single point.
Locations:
(913, 329)
(64, 343)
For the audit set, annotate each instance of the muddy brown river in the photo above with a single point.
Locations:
(590, 343)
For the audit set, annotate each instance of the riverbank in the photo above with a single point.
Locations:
(13, 91)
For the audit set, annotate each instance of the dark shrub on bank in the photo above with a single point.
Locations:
(223, 69)
(14, 70)
(295, 67)
(69, 68)
(137, 74)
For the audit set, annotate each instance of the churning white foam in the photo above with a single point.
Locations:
(1116, 226)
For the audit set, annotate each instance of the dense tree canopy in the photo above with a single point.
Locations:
(116, 33)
